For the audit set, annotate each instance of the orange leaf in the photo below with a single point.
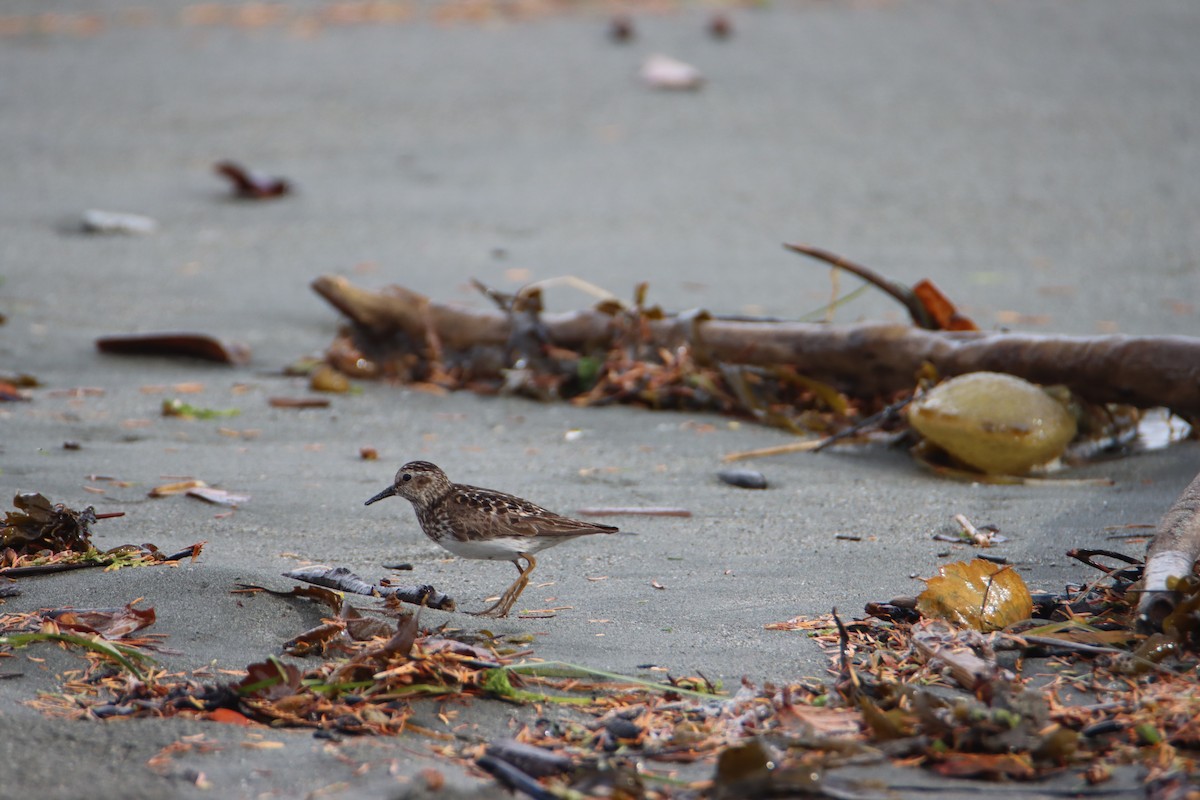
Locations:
(229, 716)
(941, 310)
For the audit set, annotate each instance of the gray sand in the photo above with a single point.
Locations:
(1037, 160)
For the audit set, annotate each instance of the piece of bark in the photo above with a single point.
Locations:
(343, 580)
(867, 359)
(1172, 553)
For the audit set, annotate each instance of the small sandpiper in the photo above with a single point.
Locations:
(480, 523)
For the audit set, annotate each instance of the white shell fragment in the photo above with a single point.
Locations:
(664, 72)
(97, 221)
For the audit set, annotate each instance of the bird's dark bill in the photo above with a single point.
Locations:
(388, 492)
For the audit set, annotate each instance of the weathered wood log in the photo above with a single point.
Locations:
(866, 359)
(343, 580)
(1172, 554)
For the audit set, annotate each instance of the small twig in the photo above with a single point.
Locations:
(848, 673)
(503, 300)
(1079, 647)
(1130, 573)
(778, 450)
(885, 415)
(901, 293)
(49, 569)
(968, 528)
(650, 511)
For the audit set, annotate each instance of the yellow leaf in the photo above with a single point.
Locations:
(977, 594)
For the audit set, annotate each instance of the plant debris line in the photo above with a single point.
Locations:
(40, 538)
(381, 669)
(520, 350)
(1075, 687)
(96, 630)
(805, 378)
(910, 689)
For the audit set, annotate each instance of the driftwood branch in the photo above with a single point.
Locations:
(866, 359)
(343, 580)
(1172, 554)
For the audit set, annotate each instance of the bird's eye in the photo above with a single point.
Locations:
(406, 477)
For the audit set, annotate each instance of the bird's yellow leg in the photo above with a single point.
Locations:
(507, 600)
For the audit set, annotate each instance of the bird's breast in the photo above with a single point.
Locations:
(498, 549)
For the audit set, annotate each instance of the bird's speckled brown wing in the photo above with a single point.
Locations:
(496, 514)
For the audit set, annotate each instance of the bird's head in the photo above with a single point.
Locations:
(419, 482)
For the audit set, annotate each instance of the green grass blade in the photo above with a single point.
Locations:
(119, 654)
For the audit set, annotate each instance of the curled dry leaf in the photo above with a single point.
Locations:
(941, 310)
(977, 594)
(191, 345)
(270, 680)
(111, 623)
(250, 185)
(664, 72)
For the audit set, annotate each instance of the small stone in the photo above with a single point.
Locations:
(743, 478)
(622, 728)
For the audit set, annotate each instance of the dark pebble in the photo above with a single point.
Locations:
(622, 728)
(743, 478)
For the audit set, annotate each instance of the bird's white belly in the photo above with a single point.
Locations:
(490, 549)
